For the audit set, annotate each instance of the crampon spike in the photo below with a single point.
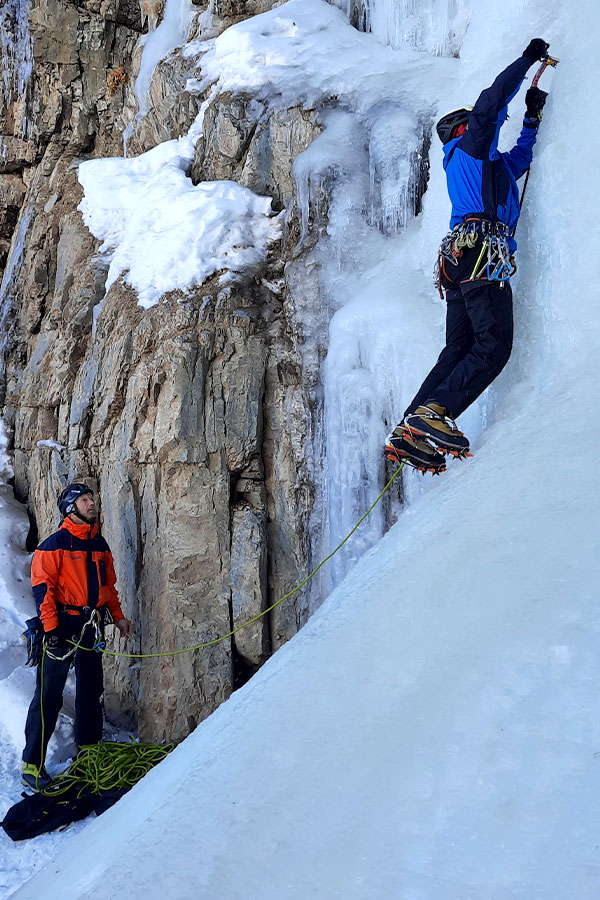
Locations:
(399, 456)
(456, 454)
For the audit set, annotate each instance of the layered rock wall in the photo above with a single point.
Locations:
(192, 419)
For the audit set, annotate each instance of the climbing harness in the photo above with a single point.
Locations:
(234, 631)
(94, 621)
(494, 263)
(495, 256)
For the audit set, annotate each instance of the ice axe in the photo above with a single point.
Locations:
(551, 61)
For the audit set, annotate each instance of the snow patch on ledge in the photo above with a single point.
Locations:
(285, 56)
(162, 232)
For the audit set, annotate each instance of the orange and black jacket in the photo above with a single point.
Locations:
(72, 569)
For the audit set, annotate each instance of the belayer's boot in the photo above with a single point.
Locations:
(433, 423)
(34, 777)
(402, 447)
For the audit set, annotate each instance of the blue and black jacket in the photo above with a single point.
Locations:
(479, 178)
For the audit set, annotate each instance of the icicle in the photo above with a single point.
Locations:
(125, 137)
(151, 10)
(12, 264)
(394, 169)
(437, 26)
(15, 52)
(15, 254)
(303, 183)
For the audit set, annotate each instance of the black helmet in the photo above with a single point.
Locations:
(67, 498)
(448, 123)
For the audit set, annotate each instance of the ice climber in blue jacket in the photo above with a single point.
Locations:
(474, 265)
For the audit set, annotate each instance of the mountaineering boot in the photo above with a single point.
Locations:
(401, 447)
(35, 778)
(433, 423)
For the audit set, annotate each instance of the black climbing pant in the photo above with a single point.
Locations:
(479, 333)
(48, 698)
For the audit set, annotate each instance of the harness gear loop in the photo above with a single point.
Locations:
(94, 620)
(498, 265)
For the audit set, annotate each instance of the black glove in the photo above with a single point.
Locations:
(33, 637)
(537, 49)
(534, 101)
(52, 639)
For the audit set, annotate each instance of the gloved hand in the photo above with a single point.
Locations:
(33, 637)
(536, 50)
(534, 101)
(52, 639)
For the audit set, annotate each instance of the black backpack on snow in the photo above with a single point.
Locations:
(35, 814)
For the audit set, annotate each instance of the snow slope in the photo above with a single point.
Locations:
(433, 731)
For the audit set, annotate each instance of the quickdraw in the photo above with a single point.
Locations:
(494, 262)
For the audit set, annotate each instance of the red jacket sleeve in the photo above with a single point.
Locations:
(45, 568)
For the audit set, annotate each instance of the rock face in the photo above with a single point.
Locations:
(191, 419)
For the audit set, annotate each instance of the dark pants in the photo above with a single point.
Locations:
(479, 333)
(48, 698)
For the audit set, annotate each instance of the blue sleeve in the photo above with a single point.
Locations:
(39, 592)
(484, 119)
(519, 158)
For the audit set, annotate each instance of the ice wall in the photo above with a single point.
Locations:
(387, 324)
(359, 186)
(15, 51)
(7, 288)
(373, 160)
(437, 26)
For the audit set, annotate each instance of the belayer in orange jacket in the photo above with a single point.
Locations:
(73, 569)
(73, 580)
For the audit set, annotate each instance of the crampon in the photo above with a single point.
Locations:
(452, 451)
(429, 423)
(401, 447)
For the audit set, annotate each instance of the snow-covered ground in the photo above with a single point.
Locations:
(433, 732)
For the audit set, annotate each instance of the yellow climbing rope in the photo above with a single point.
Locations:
(118, 765)
(265, 612)
(113, 765)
